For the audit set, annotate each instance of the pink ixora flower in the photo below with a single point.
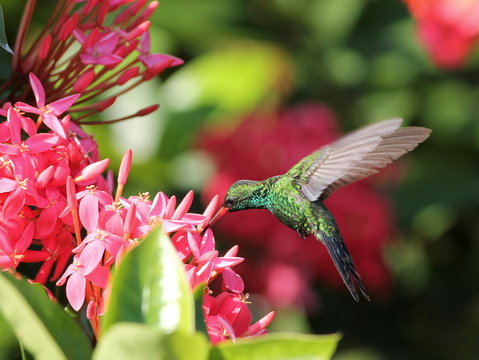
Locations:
(33, 172)
(98, 48)
(77, 277)
(48, 113)
(82, 42)
(228, 317)
(449, 29)
(55, 202)
(116, 226)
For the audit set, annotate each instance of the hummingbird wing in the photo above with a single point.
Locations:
(354, 157)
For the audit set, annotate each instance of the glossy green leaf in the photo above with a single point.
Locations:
(277, 346)
(3, 36)
(150, 287)
(137, 341)
(199, 317)
(42, 326)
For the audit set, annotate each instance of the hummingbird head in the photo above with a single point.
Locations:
(240, 196)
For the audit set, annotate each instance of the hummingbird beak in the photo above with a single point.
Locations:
(219, 214)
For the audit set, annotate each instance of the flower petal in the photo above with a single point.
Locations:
(7, 185)
(46, 222)
(53, 123)
(184, 206)
(99, 276)
(76, 290)
(261, 324)
(60, 106)
(89, 212)
(14, 203)
(41, 142)
(38, 90)
(27, 108)
(91, 256)
(92, 171)
(233, 282)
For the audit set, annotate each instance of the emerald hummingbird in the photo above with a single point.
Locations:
(297, 197)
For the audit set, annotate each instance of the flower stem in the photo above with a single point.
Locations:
(24, 24)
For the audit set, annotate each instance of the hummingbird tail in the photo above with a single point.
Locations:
(344, 263)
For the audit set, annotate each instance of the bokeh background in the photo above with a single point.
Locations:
(264, 83)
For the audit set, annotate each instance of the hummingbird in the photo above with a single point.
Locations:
(297, 197)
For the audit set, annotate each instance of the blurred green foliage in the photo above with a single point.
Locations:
(362, 59)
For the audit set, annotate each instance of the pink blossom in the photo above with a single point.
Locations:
(14, 251)
(91, 36)
(94, 246)
(228, 317)
(48, 112)
(232, 281)
(76, 277)
(98, 49)
(56, 203)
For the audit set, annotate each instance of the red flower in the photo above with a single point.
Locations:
(448, 28)
(268, 145)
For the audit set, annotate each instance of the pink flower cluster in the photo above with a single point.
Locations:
(55, 203)
(56, 207)
(227, 315)
(448, 28)
(33, 224)
(88, 47)
(114, 227)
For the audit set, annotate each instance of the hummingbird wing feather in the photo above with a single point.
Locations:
(354, 157)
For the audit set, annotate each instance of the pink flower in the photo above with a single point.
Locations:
(98, 48)
(48, 112)
(94, 246)
(32, 186)
(77, 278)
(155, 63)
(107, 38)
(228, 317)
(448, 28)
(55, 201)
(15, 251)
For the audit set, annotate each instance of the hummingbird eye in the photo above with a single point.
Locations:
(228, 202)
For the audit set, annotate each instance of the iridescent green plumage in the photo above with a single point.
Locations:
(296, 198)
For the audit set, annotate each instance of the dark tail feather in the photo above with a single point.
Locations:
(344, 263)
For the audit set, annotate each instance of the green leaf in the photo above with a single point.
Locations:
(3, 36)
(42, 326)
(137, 341)
(277, 346)
(150, 287)
(199, 317)
(8, 341)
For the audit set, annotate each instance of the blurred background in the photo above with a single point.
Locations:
(265, 82)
